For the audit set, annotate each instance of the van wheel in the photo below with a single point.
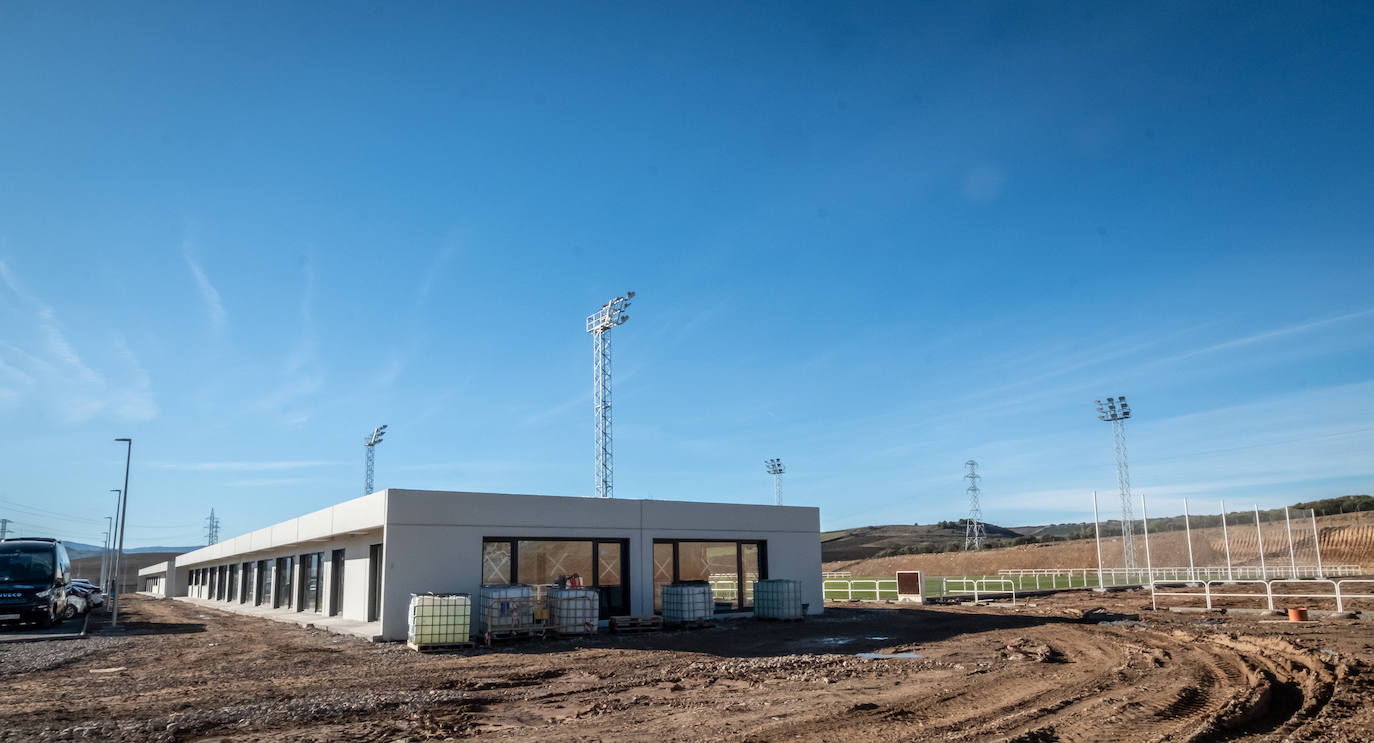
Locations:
(47, 620)
(68, 612)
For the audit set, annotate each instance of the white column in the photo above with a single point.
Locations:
(1259, 537)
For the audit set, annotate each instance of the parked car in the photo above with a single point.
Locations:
(76, 604)
(93, 596)
(34, 574)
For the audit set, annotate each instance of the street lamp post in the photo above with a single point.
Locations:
(119, 498)
(123, 510)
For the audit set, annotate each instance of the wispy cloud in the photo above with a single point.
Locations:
(266, 482)
(54, 373)
(208, 293)
(1269, 335)
(262, 466)
(301, 376)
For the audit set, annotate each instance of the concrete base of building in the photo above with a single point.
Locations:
(370, 631)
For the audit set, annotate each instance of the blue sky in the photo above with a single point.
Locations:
(872, 241)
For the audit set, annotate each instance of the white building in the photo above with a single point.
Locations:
(356, 564)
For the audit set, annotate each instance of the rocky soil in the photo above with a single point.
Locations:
(1070, 667)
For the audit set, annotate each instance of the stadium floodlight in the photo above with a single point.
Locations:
(1117, 411)
(599, 324)
(370, 445)
(775, 468)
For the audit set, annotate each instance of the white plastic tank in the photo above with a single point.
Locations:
(505, 607)
(439, 618)
(574, 611)
(778, 598)
(687, 602)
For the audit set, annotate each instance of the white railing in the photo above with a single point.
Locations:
(870, 589)
(1043, 578)
(1338, 590)
(837, 574)
(977, 586)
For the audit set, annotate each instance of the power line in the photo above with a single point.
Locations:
(974, 533)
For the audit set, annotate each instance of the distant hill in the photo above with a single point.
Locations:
(872, 541)
(867, 542)
(78, 550)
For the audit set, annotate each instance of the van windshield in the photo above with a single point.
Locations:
(27, 564)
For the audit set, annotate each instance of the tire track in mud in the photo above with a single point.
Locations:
(1139, 683)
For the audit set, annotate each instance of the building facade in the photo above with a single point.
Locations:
(362, 559)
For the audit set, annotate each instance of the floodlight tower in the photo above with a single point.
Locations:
(370, 443)
(974, 534)
(1117, 412)
(775, 468)
(599, 324)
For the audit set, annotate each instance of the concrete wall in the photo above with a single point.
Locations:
(434, 539)
(359, 514)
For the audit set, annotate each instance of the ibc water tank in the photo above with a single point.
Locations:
(777, 598)
(439, 618)
(687, 602)
(574, 611)
(505, 607)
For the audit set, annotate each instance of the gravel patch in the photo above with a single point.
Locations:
(27, 657)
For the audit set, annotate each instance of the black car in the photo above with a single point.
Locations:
(34, 573)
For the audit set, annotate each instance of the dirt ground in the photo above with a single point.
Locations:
(1037, 673)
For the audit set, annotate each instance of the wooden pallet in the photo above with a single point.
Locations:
(629, 625)
(695, 624)
(502, 635)
(440, 647)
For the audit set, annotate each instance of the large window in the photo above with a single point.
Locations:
(264, 593)
(286, 566)
(731, 567)
(245, 582)
(541, 563)
(310, 582)
(232, 584)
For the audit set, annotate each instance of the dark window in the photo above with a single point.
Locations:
(245, 582)
(730, 566)
(285, 567)
(264, 594)
(374, 583)
(336, 577)
(310, 582)
(597, 563)
(232, 583)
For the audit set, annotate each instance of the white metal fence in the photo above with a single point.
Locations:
(1044, 578)
(859, 589)
(1341, 590)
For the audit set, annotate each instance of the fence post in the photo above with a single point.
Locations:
(1097, 532)
(1188, 534)
(1316, 542)
(1292, 561)
(1227, 540)
(1259, 537)
(1145, 522)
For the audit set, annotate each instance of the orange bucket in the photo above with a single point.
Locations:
(1297, 615)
